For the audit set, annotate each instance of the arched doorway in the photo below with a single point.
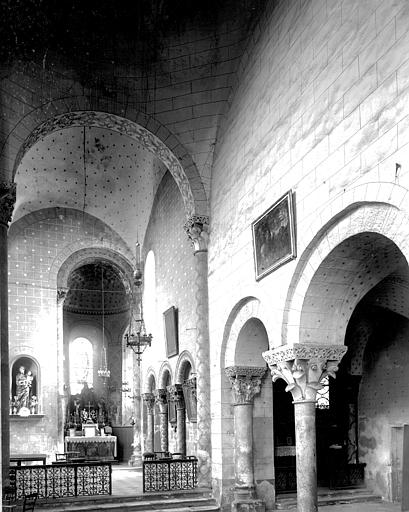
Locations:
(358, 297)
(253, 428)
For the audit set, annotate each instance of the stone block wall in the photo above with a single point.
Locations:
(174, 286)
(38, 244)
(319, 107)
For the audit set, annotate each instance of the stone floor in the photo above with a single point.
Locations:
(127, 481)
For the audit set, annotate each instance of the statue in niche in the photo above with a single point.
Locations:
(23, 390)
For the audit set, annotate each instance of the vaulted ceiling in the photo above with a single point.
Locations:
(95, 170)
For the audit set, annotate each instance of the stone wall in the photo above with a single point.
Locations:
(174, 274)
(38, 244)
(382, 399)
(319, 107)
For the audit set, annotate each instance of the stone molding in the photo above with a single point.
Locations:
(175, 394)
(303, 367)
(149, 399)
(197, 227)
(245, 382)
(7, 201)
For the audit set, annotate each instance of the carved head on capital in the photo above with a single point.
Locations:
(197, 231)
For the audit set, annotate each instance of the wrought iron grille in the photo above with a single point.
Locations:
(62, 480)
(286, 479)
(350, 475)
(169, 475)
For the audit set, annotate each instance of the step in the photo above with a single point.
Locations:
(199, 505)
(186, 501)
(289, 502)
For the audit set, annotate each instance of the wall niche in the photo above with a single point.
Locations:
(25, 387)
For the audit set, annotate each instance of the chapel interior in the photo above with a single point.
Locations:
(204, 249)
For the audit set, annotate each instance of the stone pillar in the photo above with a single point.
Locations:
(162, 402)
(149, 399)
(303, 366)
(136, 457)
(7, 200)
(62, 370)
(196, 228)
(176, 395)
(245, 382)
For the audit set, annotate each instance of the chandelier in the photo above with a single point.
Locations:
(136, 336)
(103, 372)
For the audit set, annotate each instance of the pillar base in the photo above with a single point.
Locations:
(248, 505)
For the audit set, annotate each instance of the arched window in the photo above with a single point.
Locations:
(81, 364)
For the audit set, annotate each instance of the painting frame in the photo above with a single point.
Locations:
(170, 324)
(274, 237)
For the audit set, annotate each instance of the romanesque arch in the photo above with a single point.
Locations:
(77, 111)
(164, 372)
(376, 219)
(185, 360)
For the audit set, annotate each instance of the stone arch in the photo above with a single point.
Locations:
(91, 255)
(78, 111)
(387, 193)
(185, 359)
(165, 370)
(245, 310)
(111, 248)
(150, 381)
(371, 219)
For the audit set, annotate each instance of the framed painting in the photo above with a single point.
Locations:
(274, 236)
(170, 320)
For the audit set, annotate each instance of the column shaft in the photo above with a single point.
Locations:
(243, 447)
(181, 429)
(5, 378)
(163, 425)
(136, 457)
(304, 413)
(203, 371)
(150, 432)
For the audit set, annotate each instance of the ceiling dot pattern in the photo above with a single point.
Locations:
(91, 169)
(392, 293)
(352, 269)
(94, 286)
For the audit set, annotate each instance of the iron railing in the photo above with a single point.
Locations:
(62, 480)
(169, 474)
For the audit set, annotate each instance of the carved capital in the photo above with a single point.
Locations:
(175, 394)
(303, 366)
(7, 201)
(161, 398)
(197, 228)
(149, 399)
(245, 382)
(61, 295)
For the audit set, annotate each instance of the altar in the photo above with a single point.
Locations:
(102, 448)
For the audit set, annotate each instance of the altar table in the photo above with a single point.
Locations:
(92, 447)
